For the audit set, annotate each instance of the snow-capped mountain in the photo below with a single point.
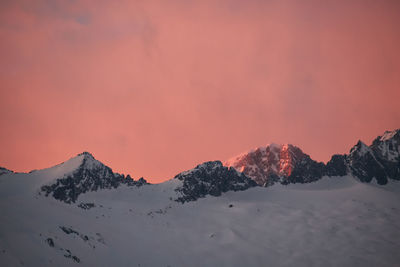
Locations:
(334, 221)
(81, 212)
(277, 163)
(210, 178)
(380, 160)
(288, 164)
(82, 174)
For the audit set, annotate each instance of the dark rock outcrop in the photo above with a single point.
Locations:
(337, 166)
(91, 175)
(379, 161)
(5, 171)
(306, 171)
(211, 178)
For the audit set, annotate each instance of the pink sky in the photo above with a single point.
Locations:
(153, 88)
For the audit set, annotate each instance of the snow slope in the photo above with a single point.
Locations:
(332, 222)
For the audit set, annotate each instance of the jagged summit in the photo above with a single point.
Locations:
(288, 164)
(208, 166)
(360, 148)
(82, 160)
(86, 153)
(388, 135)
(210, 178)
(379, 161)
(269, 164)
(388, 145)
(81, 174)
(88, 161)
(273, 147)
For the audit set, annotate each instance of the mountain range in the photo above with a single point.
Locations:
(81, 212)
(262, 166)
(289, 164)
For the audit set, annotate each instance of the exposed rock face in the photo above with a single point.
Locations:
(91, 175)
(211, 178)
(306, 171)
(381, 160)
(387, 151)
(277, 163)
(364, 165)
(337, 166)
(288, 164)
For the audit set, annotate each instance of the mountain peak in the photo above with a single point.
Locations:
(388, 135)
(84, 173)
(268, 163)
(206, 166)
(86, 154)
(360, 149)
(89, 162)
(360, 145)
(210, 178)
(83, 160)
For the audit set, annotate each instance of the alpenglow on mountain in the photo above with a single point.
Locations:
(289, 164)
(249, 211)
(264, 166)
(277, 163)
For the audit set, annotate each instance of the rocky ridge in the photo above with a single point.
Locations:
(288, 164)
(91, 175)
(210, 178)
